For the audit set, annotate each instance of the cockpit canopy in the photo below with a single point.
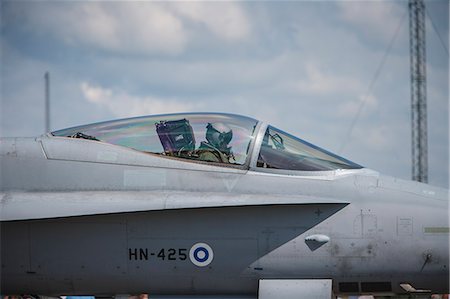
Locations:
(174, 135)
(281, 150)
(219, 139)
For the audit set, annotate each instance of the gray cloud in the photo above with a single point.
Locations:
(133, 27)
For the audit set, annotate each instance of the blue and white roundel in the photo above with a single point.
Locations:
(201, 254)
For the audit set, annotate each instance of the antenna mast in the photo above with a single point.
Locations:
(418, 91)
(47, 102)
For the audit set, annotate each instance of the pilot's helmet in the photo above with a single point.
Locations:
(219, 135)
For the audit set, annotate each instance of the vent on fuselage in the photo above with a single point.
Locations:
(376, 287)
(349, 287)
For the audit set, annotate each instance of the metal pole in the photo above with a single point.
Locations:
(47, 102)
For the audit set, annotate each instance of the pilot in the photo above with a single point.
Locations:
(215, 148)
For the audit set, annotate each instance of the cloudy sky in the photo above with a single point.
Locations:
(310, 68)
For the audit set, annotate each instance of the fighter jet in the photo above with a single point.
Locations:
(210, 204)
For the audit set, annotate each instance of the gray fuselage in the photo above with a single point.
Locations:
(84, 217)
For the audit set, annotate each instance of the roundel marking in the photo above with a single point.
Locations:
(201, 254)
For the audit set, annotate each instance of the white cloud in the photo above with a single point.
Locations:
(96, 94)
(226, 20)
(121, 104)
(137, 27)
(129, 27)
(149, 27)
(92, 24)
(318, 82)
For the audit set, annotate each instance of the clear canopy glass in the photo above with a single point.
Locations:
(280, 150)
(177, 135)
(211, 137)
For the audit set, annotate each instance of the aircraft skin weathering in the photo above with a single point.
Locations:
(153, 205)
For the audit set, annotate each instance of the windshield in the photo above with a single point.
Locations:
(221, 138)
(280, 150)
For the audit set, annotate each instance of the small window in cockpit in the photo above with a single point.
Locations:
(280, 150)
(219, 138)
